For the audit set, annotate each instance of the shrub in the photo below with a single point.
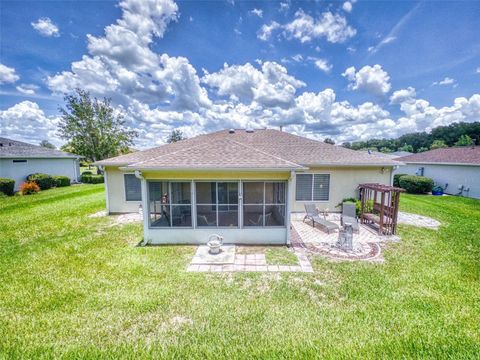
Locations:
(358, 204)
(61, 180)
(91, 179)
(416, 184)
(44, 181)
(87, 172)
(6, 186)
(29, 187)
(396, 179)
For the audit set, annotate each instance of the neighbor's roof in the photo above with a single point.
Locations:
(467, 155)
(17, 149)
(261, 149)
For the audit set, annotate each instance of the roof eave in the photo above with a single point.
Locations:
(440, 163)
(397, 163)
(233, 169)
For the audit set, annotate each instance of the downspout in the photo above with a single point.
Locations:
(391, 174)
(105, 181)
(289, 205)
(138, 175)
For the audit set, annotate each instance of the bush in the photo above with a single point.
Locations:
(358, 204)
(61, 181)
(29, 187)
(416, 184)
(6, 186)
(396, 179)
(44, 181)
(87, 172)
(91, 179)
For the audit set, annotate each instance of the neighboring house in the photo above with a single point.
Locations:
(19, 159)
(241, 184)
(455, 169)
(397, 154)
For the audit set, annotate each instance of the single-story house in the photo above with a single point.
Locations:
(240, 184)
(456, 169)
(19, 159)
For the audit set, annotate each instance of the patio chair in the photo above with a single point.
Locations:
(349, 216)
(259, 222)
(312, 214)
(202, 221)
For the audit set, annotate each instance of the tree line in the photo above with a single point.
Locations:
(457, 134)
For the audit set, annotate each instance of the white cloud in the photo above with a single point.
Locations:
(265, 31)
(323, 65)
(478, 70)
(46, 27)
(372, 79)
(257, 12)
(403, 95)
(28, 89)
(271, 86)
(284, 6)
(297, 58)
(347, 6)
(7, 75)
(445, 81)
(26, 121)
(332, 27)
(305, 28)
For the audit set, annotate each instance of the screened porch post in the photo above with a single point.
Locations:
(289, 199)
(146, 209)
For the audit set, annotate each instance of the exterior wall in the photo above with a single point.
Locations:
(453, 175)
(115, 192)
(343, 184)
(51, 166)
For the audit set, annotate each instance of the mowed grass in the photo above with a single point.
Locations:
(75, 287)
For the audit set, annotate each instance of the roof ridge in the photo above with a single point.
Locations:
(263, 152)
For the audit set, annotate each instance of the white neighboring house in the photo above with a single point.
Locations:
(19, 159)
(457, 169)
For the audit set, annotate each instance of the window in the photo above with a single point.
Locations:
(169, 204)
(264, 204)
(19, 161)
(312, 187)
(217, 204)
(133, 188)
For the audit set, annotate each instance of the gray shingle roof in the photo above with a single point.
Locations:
(17, 149)
(265, 148)
(456, 155)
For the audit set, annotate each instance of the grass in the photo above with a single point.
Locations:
(279, 255)
(75, 287)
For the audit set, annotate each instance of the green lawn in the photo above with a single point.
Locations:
(74, 287)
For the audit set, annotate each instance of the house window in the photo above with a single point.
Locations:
(170, 204)
(312, 187)
(217, 204)
(19, 161)
(133, 188)
(264, 204)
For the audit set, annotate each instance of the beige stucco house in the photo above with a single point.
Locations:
(241, 184)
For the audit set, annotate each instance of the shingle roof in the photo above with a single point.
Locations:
(265, 148)
(455, 155)
(17, 149)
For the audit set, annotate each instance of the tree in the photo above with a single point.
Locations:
(92, 127)
(464, 140)
(406, 147)
(422, 149)
(329, 141)
(175, 135)
(47, 144)
(347, 145)
(438, 144)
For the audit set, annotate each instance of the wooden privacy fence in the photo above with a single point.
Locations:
(380, 206)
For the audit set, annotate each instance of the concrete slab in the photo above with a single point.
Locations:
(226, 256)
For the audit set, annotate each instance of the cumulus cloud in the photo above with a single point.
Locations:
(323, 65)
(271, 86)
(305, 28)
(403, 95)
(7, 75)
(26, 121)
(372, 79)
(46, 27)
(347, 6)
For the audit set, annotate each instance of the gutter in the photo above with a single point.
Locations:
(126, 168)
(439, 163)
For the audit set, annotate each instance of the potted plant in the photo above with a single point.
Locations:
(437, 190)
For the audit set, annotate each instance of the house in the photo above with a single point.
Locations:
(456, 169)
(241, 184)
(19, 159)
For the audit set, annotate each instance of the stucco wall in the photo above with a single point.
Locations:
(343, 184)
(20, 170)
(453, 175)
(115, 192)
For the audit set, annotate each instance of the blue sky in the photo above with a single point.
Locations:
(347, 70)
